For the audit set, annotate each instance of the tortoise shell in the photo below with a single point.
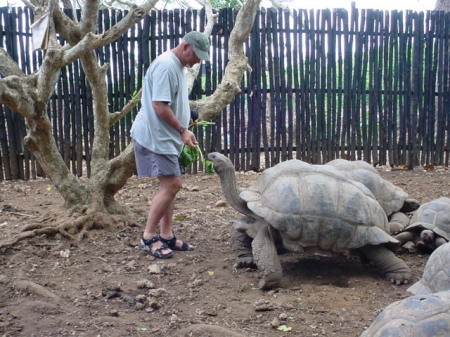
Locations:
(436, 275)
(433, 215)
(390, 197)
(317, 206)
(415, 316)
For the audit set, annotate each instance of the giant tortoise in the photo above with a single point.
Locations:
(430, 225)
(313, 208)
(394, 200)
(436, 275)
(415, 316)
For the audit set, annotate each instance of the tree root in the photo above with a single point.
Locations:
(35, 289)
(74, 227)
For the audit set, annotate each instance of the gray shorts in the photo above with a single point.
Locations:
(151, 164)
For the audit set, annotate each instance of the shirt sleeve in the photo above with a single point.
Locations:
(164, 84)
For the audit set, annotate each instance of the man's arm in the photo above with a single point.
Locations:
(165, 112)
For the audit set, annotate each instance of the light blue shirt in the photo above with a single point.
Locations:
(165, 81)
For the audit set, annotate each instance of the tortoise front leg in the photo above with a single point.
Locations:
(266, 258)
(396, 271)
(440, 241)
(404, 237)
(242, 245)
(397, 222)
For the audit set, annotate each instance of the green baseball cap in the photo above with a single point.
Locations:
(200, 43)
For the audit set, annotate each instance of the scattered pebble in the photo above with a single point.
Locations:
(221, 203)
(154, 269)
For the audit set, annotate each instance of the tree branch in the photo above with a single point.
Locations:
(14, 94)
(211, 19)
(91, 41)
(8, 66)
(65, 27)
(48, 74)
(95, 74)
(211, 106)
(118, 115)
(121, 168)
(30, 5)
(89, 16)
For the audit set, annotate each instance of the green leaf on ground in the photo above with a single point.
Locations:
(284, 328)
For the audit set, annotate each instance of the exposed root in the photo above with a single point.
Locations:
(27, 235)
(72, 225)
(35, 289)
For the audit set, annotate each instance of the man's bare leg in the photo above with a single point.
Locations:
(166, 226)
(161, 210)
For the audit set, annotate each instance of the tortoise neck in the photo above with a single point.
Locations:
(231, 191)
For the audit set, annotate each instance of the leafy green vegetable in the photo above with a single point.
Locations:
(190, 154)
(284, 328)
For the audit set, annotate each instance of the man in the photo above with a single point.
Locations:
(159, 133)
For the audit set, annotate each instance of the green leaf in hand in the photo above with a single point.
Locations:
(190, 154)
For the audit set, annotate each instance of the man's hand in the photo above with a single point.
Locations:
(188, 138)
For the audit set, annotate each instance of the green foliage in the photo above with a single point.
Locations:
(134, 98)
(190, 154)
(226, 4)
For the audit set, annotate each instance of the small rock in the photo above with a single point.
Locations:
(220, 203)
(4, 279)
(64, 253)
(127, 298)
(106, 268)
(8, 208)
(283, 316)
(154, 305)
(141, 298)
(141, 284)
(157, 292)
(174, 319)
(140, 306)
(263, 305)
(131, 265)
(275, 323)
(196, 283)
(154, 269)
(114, 313)
(410, 246)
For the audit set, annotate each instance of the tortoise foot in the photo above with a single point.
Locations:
(399, 278)
(245, 262)
(268, 284)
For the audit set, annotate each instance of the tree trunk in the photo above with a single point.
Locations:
(29, 95)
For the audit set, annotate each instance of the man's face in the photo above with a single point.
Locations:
(190, 59)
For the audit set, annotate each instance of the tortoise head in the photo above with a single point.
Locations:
(221, 163)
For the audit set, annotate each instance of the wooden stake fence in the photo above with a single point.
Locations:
(365, 84)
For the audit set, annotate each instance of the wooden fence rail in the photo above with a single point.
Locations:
(326, 84)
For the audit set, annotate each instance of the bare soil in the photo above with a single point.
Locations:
(105, 286)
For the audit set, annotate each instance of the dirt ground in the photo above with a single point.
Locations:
(105, 286)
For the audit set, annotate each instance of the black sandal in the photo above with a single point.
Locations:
(158, 253)
(172, 244)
